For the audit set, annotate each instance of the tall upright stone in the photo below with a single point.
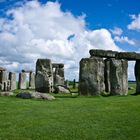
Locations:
(74, 83)
(31, 80)
(13, 83)
(137, 76)
(58, 74)
(44, 76)
(22, 81)
(4, 81)
(116, 81)
(91, 76)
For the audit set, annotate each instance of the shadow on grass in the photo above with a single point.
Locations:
(135, 94)
(65, 95)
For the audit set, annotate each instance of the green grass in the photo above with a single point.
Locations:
(70, 118)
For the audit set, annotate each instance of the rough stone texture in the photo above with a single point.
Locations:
(31, 80)
(58, 74)
(22, 80)
(128, 55)
(38, 95)
(116, 81)
(91, 77)
(44, 76)
(103, 53)
(61, 89)
(13, 83)
(6, 93)
(4, 82)
(24, 95)
(115, 54)
(137, 76)
(35, 95)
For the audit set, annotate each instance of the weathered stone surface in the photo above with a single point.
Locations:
(6, 93)
(38, 95)
(137, 76)
(128, 55)
(22, 80)
(116, 81)
(61, 89)
(13, 83)
(58, 74)
(31, 80)
(35, 95)
(91, 77)
(24, 95)
(4, 82)
(115, 54)
(44, 76)
(103, 53)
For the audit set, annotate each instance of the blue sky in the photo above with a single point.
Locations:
(65, 30)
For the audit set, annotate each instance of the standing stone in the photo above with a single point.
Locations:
(32, 80)
(137, 76)
(116, 81)
(4, 82)
(91, 77)
(74, 84)
(44, 76)
(22, 80)
(13, 83)
(59, 74)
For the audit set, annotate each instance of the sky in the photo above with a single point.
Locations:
(65, 30)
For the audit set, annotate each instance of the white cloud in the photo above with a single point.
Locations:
(116, 31)
(42, 31)
(135, 24)
(124, 39)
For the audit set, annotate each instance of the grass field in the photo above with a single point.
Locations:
(71, 118)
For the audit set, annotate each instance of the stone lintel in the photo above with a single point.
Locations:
(128, 55)
(57, 65)
(114, 54)
(103, 53)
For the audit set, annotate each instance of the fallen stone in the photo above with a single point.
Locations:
(6, 93)
(45, 96)
(24, 95)
(61, 89)
(35, 95)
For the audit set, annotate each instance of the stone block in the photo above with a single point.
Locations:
(91, 76)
